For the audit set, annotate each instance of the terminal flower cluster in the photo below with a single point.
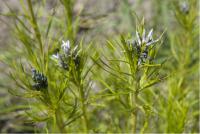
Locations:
(39, 79)
(66, 55)
(142, 45)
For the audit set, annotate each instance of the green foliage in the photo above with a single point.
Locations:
(139, 82)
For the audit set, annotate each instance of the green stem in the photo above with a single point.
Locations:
(36, 29)
(59, 121)
(68, 4)
(85, 118)
(134, 100)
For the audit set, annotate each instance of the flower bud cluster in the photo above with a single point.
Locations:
(142, 45)
(66, 55)
(39, 79)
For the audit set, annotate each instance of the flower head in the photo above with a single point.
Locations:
(145, 40)
(142, 43)
(55, 56)
(65, 46)
(39, 79)
(184, 7)
(66, 55)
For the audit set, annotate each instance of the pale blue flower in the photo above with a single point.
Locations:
(65, 46)
(63, 57)
(55, 56)
(184, 7)
(142, 43)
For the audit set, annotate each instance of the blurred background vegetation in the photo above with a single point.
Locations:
(174, 103)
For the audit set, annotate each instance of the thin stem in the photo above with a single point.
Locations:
(54, 124)
(135, 111)
(35, 25)
(134, 99)
(59, 121)
(85, 119)
(68, 4)
(36, 29)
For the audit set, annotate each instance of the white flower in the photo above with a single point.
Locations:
(184, 7)
(65, 46)
(138, 38)
(142, 43)
(150, 40)
(143, 39)
(55, 56)
(149, 36)
(63, 57)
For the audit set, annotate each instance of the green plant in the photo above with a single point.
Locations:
(131, 62)
(62, 82)
(56, 96)
(183, 44)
